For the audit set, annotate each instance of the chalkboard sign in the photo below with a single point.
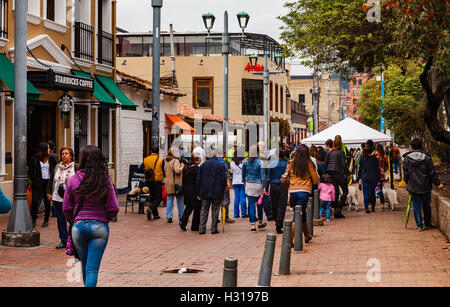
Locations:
(135, 179)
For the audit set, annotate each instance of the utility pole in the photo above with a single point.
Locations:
(315, 97)
(329, 103)
(20, 232)
(172, 57)
(382, 123)
(266, 99)
(225, 52)
(156, 103)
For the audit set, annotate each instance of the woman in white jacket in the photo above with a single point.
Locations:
(238, 186)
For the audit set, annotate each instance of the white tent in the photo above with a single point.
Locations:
(351, 132)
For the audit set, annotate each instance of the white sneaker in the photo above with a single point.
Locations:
(328, 220)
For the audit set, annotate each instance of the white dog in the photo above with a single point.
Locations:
(352, 197)
(391, 197)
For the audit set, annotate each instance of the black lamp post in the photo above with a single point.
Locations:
(279, 62)
(208, 20)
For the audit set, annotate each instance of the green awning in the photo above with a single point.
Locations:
(112, 87)
(7, 76)
(100, 93)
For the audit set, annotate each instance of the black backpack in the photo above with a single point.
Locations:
(150, 173)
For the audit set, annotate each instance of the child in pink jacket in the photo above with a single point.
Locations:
(326, 189)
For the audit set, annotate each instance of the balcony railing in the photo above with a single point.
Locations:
(105, 48)
(83, 41)
(3, 18)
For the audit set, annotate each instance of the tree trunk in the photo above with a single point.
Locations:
(434, 101)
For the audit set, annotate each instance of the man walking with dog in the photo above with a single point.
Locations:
(420, 175)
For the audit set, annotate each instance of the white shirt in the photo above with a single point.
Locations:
(237, 172)
(200, 151)
(45, 170)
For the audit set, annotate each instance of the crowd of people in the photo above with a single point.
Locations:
(264, 183)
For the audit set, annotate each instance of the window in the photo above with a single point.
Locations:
(80, 128)
(103, 131)
(281, 99)
(252, 97)
(203, 92)
(3, 18)
(360, 81)
(301, 98)
(276, 97)
(354, 81)
(51, 10)
(271, 96)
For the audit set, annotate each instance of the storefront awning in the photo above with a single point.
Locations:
(7, 76)
(179, 123)
(112, 87)
(100, 93)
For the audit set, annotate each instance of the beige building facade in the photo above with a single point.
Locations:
(71, 46)
(300, 89)
(199, 74)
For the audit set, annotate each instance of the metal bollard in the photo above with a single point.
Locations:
(230, 272)
(285, 258)
(298, 236)
(316, 205)
(309, 216)
(265, 274)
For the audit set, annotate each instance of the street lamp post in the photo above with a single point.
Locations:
(20, 232)
(156, 103)
(382, 122)
(266, 73)
(208, 20)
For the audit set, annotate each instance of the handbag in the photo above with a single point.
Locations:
(178, 187)
(61, 190)
(71, 250)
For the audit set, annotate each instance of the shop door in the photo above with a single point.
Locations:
(147, 125)
(41, 126)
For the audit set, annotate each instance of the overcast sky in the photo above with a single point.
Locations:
(186, 15)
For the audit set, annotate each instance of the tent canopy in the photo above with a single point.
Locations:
(351, 132)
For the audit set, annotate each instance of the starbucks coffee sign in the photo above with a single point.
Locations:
(58, 81)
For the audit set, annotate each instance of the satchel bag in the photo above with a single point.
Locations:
(150, 173)
(178, 187)
(71, 250)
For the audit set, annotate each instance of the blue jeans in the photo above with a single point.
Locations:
(418, 201)
(62, 223)
(90, 238)
(180, 205)
(369, 194)
(252, 208)
(239, 198)
(325, 205)
(300, 199)
(396, 165)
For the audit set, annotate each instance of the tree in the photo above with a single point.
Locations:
(403, 103)
(336, 35)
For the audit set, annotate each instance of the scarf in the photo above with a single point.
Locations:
(64, 172)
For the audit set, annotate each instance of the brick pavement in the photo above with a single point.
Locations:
(139, 250)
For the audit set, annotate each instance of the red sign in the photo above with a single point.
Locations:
(249, 68)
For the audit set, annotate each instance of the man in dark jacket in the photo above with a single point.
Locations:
(420, 175)
(211, 184)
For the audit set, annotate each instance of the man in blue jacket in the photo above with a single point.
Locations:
(211, 184)
(5, 203)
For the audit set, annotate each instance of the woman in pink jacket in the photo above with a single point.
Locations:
(327, 195)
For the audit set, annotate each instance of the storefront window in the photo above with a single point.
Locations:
(203, 92)
(103, 131)
(252, 97)
(80, 128)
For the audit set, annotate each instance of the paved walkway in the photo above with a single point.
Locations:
(139, 250)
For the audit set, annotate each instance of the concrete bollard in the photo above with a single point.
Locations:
(285, 258)
(317, 221)
(265, 273)
(316, 205)
(230, 272)
(309, 216)
(298, 235)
